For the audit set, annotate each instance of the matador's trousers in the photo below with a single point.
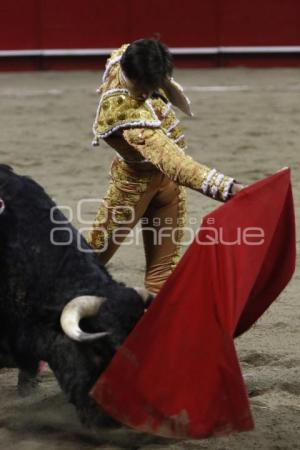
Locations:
(141, 194)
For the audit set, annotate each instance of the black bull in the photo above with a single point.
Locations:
(38, 279)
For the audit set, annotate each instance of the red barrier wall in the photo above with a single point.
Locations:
(20, 24)
(259, 22)
(77, 24)
(189, 23)
(83, 24)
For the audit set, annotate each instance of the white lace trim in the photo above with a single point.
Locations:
(95, 141)
(214, 189)
(131, 162)
(177, 122)
(219, 179)
(149, 104)
(109, 66)
(138, 123)
(114, 91)
(204, 185)
(179, 138)
(167, 109)
(227, 187)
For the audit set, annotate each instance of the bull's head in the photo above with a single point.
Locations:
(88, 306)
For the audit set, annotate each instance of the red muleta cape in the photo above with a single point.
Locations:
(177, 374)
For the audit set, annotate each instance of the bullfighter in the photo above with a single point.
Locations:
(151, 169)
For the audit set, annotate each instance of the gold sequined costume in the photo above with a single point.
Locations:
(149, 173)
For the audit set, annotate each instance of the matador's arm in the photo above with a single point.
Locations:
(157, 148)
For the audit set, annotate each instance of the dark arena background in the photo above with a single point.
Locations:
(239, 63)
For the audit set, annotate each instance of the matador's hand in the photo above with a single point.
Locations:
(236, 187)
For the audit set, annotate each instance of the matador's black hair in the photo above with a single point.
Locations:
(147, 61)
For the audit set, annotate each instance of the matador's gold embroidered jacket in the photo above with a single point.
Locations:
(149, 131)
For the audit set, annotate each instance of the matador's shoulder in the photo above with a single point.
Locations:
(114, 58)
(118, 110)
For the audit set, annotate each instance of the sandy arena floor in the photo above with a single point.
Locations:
(247, 123)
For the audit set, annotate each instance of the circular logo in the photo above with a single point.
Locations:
(2, 205)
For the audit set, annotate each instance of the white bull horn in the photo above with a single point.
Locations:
(77, 309)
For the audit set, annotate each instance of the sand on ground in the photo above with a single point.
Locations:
(247, 124)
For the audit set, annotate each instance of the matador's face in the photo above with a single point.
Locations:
(138, 89)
